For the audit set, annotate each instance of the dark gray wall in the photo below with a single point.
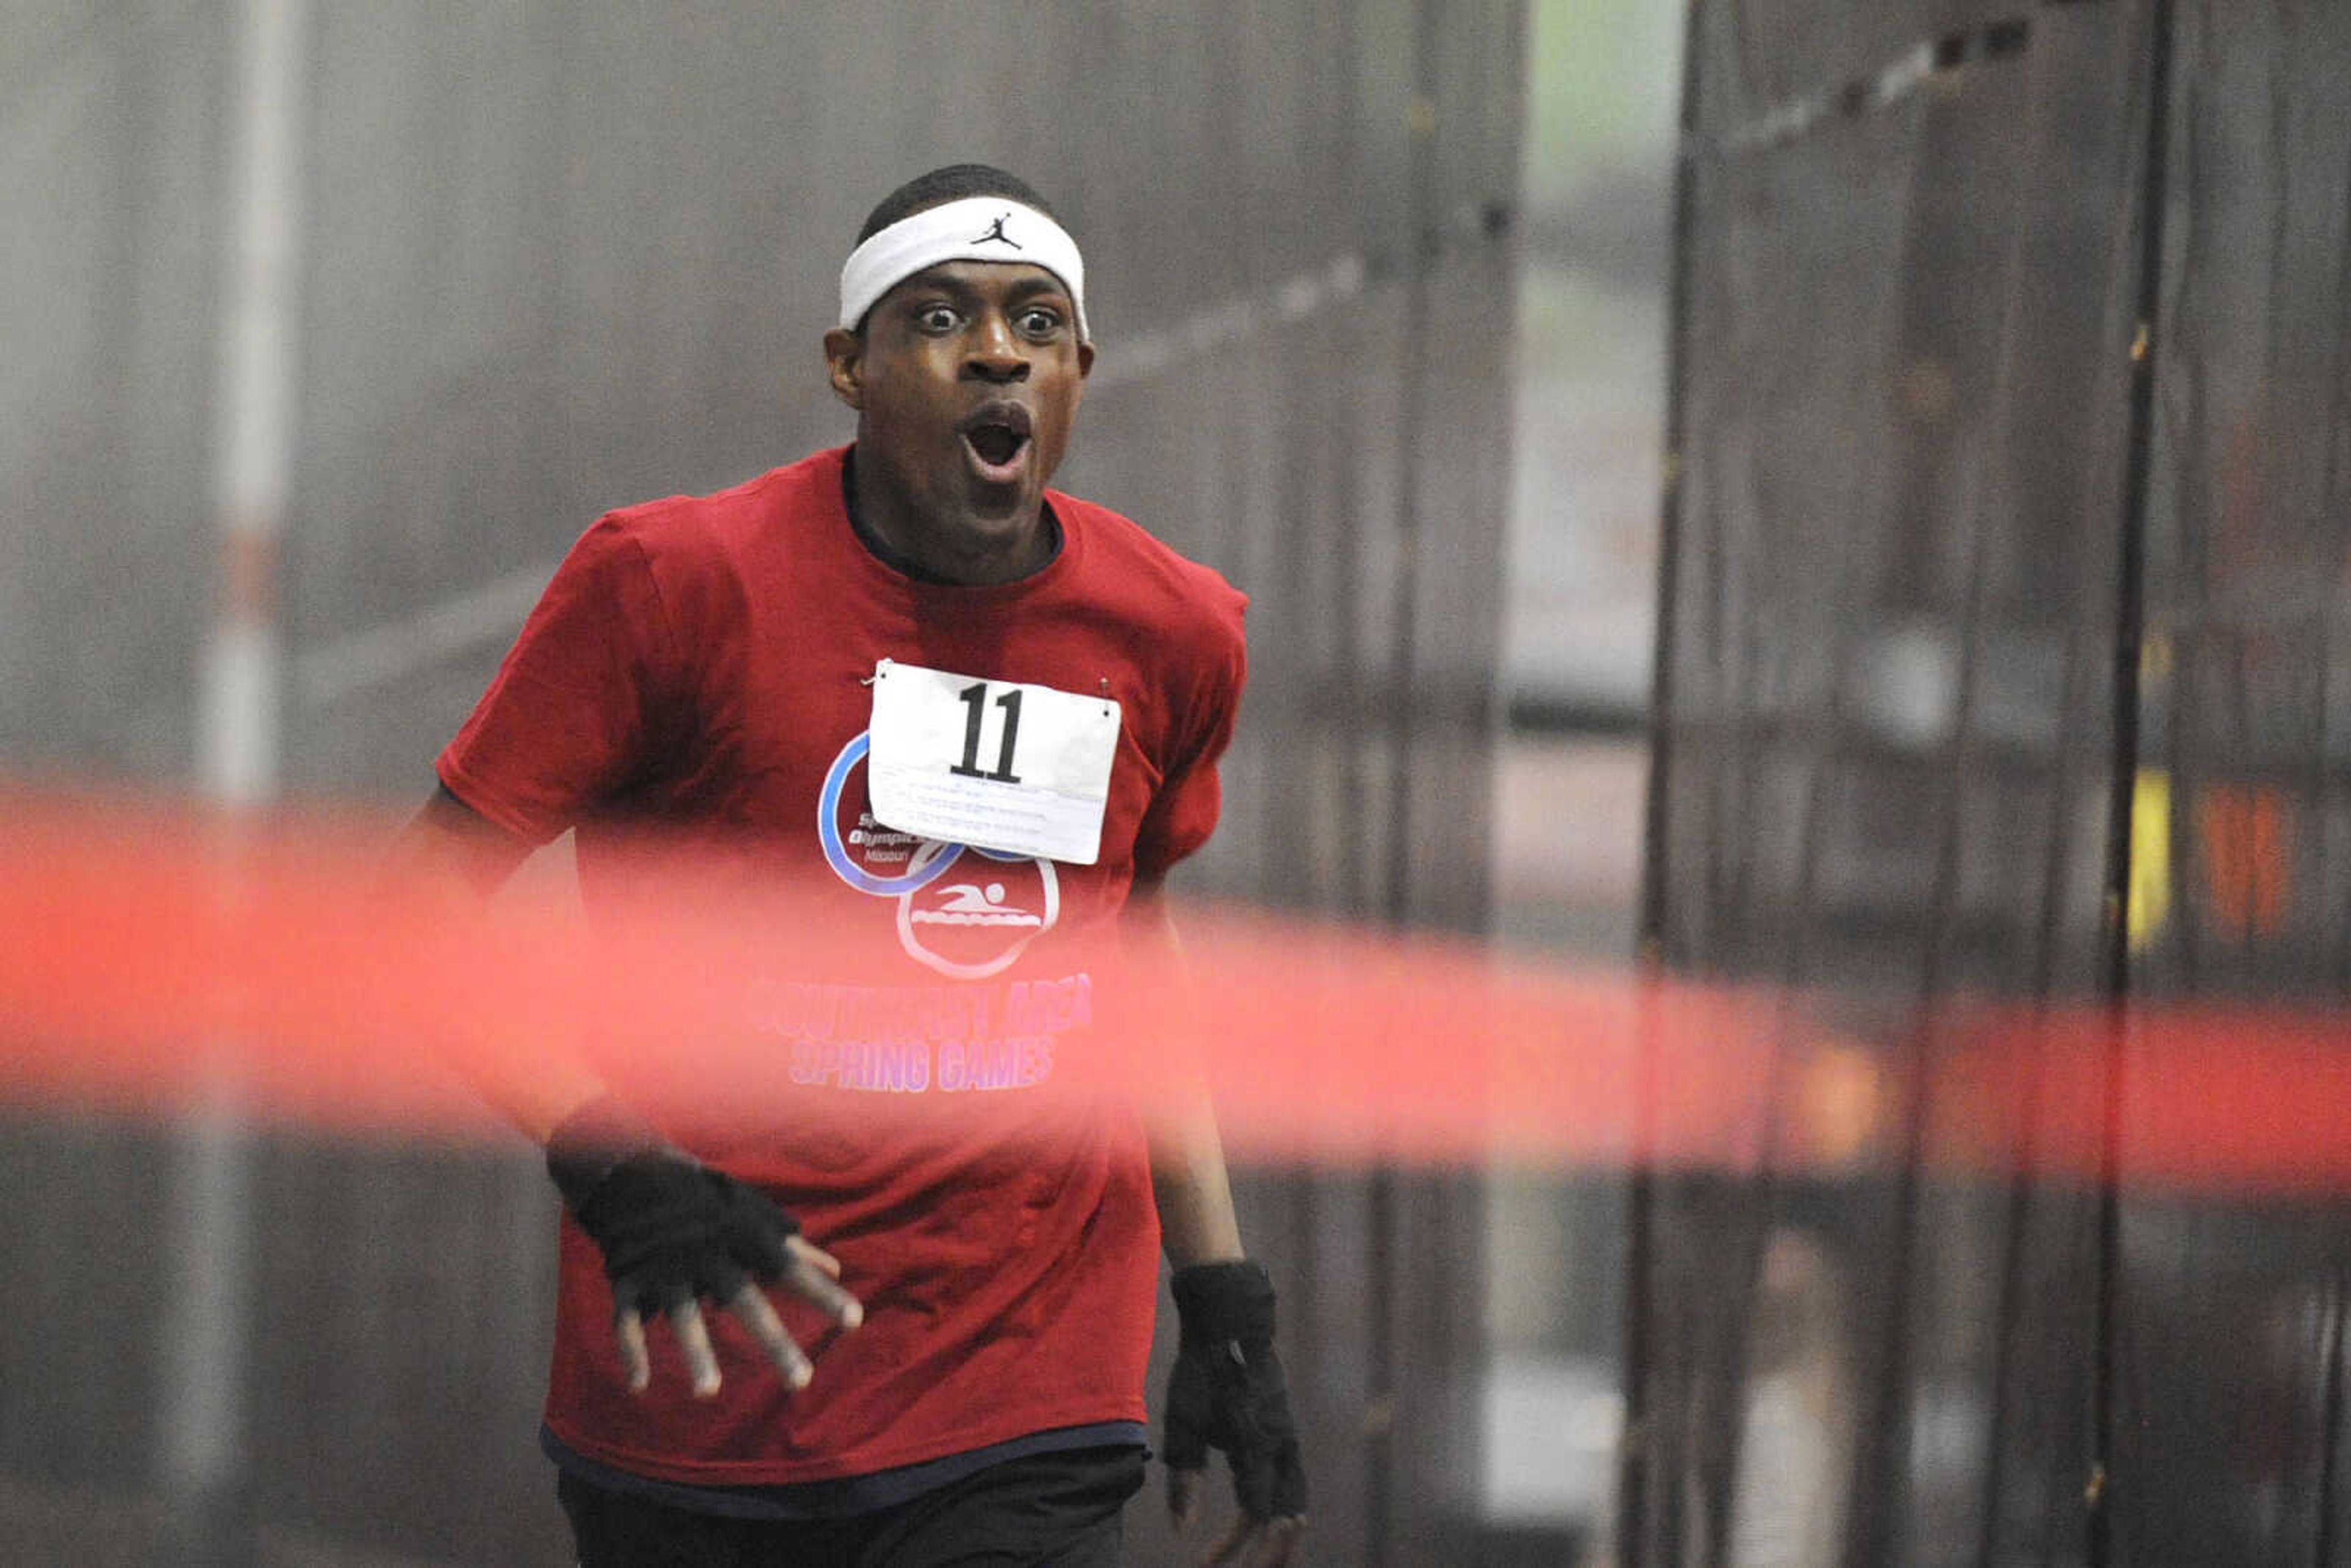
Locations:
(1979, 355)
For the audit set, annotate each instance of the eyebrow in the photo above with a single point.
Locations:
(1038, 281)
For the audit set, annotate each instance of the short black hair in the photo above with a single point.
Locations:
(952, 183)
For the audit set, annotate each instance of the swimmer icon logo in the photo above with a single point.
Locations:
(964, 904)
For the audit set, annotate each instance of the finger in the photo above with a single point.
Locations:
(1276, 1541)
(1229, 1549)
(1253, 1474)
(629, 1333)
(807, 1280)
(804, 1250)
(754, 1312)
(1288, 1483)
(694, 1343)
(1184, 1496)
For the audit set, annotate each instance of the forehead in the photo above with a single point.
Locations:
(1004, 281)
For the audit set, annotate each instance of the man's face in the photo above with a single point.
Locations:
(966, 379)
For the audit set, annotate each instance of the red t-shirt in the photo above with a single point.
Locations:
(699, 666)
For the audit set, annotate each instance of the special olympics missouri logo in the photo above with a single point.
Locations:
(968, 925)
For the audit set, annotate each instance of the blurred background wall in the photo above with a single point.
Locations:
(329, 326)
(2003, 598)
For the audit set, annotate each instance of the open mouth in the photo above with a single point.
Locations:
(998, 436)
(996, 444)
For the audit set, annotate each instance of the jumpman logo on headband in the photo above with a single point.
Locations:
(996, 230)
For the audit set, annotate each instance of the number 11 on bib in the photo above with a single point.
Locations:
(1014, 769)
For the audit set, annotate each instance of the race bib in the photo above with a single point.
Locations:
(1019, 769)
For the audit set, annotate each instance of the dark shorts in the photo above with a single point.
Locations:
(1046, 1510)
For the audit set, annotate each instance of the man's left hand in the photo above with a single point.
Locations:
(1226, 1392)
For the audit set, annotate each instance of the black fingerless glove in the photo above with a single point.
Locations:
(670, 1229)
(1227, 1391)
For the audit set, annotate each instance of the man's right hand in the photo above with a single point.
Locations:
(672, 1231)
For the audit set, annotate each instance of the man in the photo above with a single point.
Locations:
(975, 721)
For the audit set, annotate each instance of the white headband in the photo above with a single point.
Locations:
(977, 228)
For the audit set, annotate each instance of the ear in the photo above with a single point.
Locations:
(1086, 368)
(844, 364)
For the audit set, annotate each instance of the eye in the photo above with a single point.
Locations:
(936, 319)
(1038, 322)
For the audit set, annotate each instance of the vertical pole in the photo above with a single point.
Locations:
(2114, 979)
(1383, 1200)
(1402, 702)
(1637, 1350)
(1404, 682)
(202, 1459)
(2330, 1422)
(1359, 896)
(1670, 508)
(239, 734)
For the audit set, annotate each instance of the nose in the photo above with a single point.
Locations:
(995, 353)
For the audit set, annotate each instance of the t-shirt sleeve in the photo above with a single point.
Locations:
(1184, 812)
(569, 719)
